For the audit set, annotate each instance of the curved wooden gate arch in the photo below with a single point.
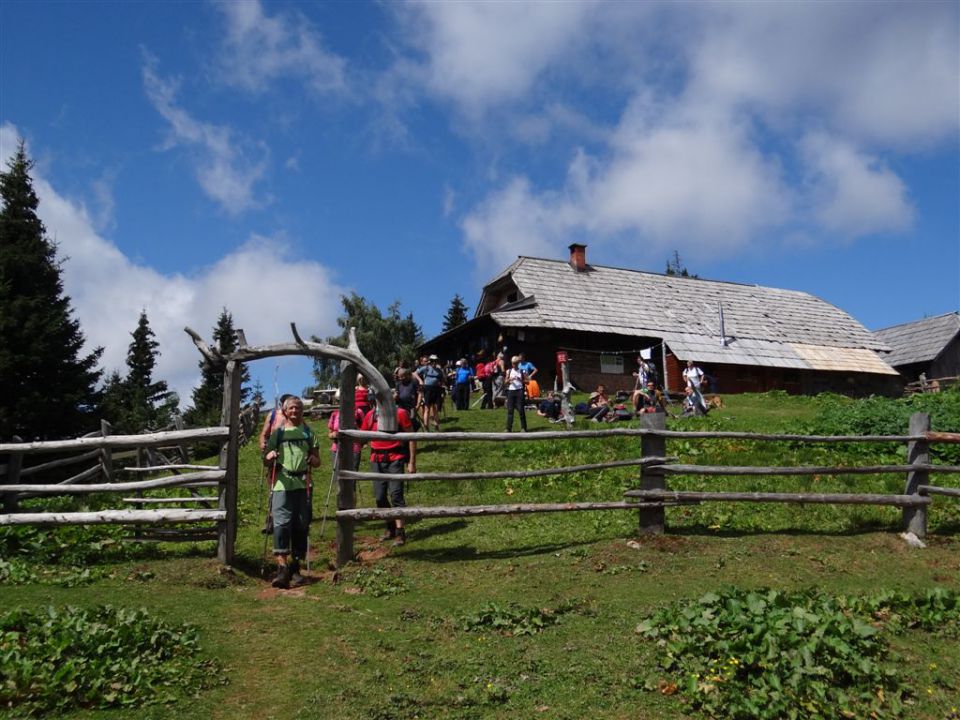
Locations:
(351, 361)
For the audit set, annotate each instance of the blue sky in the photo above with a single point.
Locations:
(269, 157)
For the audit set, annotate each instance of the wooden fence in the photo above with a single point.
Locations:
(157, 461)
(652, 495)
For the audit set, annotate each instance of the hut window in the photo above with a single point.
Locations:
(611, 364)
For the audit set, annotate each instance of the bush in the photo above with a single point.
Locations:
(53, 660)
(773, 654)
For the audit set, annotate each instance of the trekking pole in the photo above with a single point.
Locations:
(326, 503)
(309, 513)
(266, 534)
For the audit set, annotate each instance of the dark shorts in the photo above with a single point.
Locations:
(431, 394)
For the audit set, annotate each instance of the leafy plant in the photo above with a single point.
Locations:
(378, 582)
(512, 619)
(52, 660)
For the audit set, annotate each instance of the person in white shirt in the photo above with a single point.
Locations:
(694, 377)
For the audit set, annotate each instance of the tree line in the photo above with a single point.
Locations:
(50, 388)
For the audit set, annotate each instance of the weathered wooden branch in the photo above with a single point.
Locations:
(116, 441)
(405, 513)
(211, 354)
(935, 490)
(500, 474)
(112, 517)
(187, 480)
(164, 468)
(34, 469)
(942, 437)
(623, 432)
(161, 500)
(801, 470)
(801, 498)
(95, 471)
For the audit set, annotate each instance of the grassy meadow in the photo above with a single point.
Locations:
(532, 616)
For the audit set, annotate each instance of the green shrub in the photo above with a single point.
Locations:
(53, 660)
(773, 654)
(512, 619)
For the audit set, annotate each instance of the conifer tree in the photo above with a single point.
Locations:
(147, 403)
(208, 396)
(47, 384)
(456, 314)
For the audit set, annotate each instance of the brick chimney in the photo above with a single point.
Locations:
(578, 257)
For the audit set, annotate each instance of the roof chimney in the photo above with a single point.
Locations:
(578, 257)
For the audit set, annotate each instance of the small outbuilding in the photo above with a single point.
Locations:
(929, 347)
(748, 338)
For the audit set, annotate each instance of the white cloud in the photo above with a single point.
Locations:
(483, 53)
(222, 162)
(673, 179)
(718, 108)
(885, 72)
(259, 49)
(108, 290)
(853, 193)
(510, 222)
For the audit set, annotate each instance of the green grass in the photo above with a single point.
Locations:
(390, 641)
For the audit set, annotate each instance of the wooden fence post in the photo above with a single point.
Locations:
(227, 496)
(10, 500)
(567, 391)
(652, 520)
(106, 454)
(918, 453)
(346, 499)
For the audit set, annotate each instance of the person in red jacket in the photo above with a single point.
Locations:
(391, 457)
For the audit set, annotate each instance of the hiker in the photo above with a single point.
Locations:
(642, 375)
(485, 371)
(431, 375)
(333, 428)
(361, 395)
(293, 449)
(273, 421)
(694, 378)
(391, 457)
(653, 401)
(407, 390)
(461, 388)
(550, 408)
(527, 367)
(514, 381)
(598, 404)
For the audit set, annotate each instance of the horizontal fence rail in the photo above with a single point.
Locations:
(113, 517)
(655, 465)
(186, 480)
(639, 432)
(117, 441)
(510, 474)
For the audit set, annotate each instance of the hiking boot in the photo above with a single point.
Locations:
(282, 580)
(296, 579)
(390, 533)
(401, 538)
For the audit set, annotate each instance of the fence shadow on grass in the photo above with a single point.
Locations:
(462, 553)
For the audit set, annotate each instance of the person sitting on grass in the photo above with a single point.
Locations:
(550, 407)
(598, 405)
(292, 449)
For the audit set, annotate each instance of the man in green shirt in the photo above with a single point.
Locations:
(292, 449)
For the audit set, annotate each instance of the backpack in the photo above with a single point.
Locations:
(407, 395)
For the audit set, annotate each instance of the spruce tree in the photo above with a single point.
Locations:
(148, 403)
(47, 384)
(208, 396)
(456, 314)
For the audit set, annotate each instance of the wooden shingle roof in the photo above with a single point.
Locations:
(920, 340)
(763, 326)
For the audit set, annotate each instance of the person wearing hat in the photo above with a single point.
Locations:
(462, 383)
(431, 377)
